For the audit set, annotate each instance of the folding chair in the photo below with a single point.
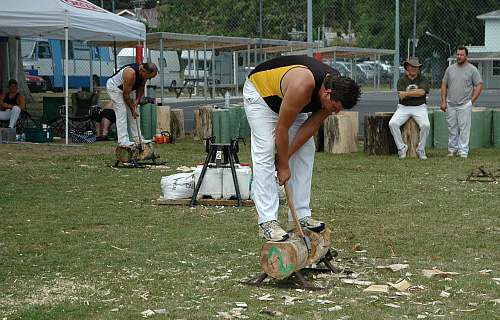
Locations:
(52, 110)
(22, 122)
(82, 105)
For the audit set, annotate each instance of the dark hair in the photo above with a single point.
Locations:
(463, 48)
(344, 89)
(149, 67)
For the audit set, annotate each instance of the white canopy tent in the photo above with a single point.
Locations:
(66, 20)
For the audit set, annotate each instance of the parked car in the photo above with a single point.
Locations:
(339, 67)
(35, 83)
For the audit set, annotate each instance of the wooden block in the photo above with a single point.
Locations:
(378, 288)
(204, 124)
(177, 123)
(354, 116)
(196, 124)
(378, 137)
(337, 133)
(410, 132)
(162, 119)
(128, 154)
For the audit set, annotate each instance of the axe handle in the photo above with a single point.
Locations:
(141, 148)
(292, 209)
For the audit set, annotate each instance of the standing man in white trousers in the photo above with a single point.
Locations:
(457, 97)
(278, 94)
(412, 91)
(125, 89)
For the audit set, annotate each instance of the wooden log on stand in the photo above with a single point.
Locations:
(378, 137)
(131, 153)
(177, 123)
(280, 260)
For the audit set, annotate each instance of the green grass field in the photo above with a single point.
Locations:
(82, 240)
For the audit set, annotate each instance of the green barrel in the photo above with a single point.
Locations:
(153, 121)
(234, 123)
(440, 136)
(145, 120)
(476, 129)
(244, 125)
(430, 139)
(487, 125)
(216, 124)
(224, 126)
(496, 127)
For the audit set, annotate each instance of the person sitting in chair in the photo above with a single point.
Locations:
(11, 104)
(103, 119)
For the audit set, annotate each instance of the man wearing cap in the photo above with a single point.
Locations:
(11, 104)
(412, 90)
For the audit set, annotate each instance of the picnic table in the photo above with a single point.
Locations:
(189, 84)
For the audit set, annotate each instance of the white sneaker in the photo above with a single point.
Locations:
(421, 154)
(402, 152)
(452, 154)
(463, 156)
(126, 144)
(308, 222)
(271, 231)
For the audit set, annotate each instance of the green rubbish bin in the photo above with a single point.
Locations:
(147, 120)
(220, 127)
(496, 128)
(430, 139)
(476, 129)
(440, 132)
(487, 125)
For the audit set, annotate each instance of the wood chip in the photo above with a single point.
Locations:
(378, 288)
(402, 285)
(429, 273)
(241, 304)
(358, 282)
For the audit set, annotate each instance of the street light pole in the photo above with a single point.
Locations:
(432, 35)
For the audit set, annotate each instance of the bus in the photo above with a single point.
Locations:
(45, 58)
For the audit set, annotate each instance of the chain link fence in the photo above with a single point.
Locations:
(430, 30)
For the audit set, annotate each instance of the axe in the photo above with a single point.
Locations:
(295, 218)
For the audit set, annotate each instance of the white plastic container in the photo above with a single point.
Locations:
(244, 175)
(212, 182)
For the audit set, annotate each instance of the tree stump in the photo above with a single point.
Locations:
(281, 259)
(162, 119)
(410, 132)
(354, 116)
(131, 153)
(196, 124)
(177, 123)
(204, 124)
(337, 133)
(378, 137)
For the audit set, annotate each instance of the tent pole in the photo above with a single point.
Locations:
(66, 71)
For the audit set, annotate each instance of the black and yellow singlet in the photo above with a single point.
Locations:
(267, 79)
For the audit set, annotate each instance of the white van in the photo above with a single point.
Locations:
(171, 66)
(224, 66)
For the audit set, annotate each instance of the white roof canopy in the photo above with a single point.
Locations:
(84, 20)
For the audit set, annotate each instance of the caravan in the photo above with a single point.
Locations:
(224, 66)
(171, 66)
(45, 58)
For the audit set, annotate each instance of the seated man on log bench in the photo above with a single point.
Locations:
(278, 94)
(412, 91)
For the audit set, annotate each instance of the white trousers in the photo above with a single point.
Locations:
(263, 122)
(122, 112)
(12, 115)
(402, 114)
(459, 123)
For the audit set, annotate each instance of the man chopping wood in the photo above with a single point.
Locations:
(125, 89)
(278, 95)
